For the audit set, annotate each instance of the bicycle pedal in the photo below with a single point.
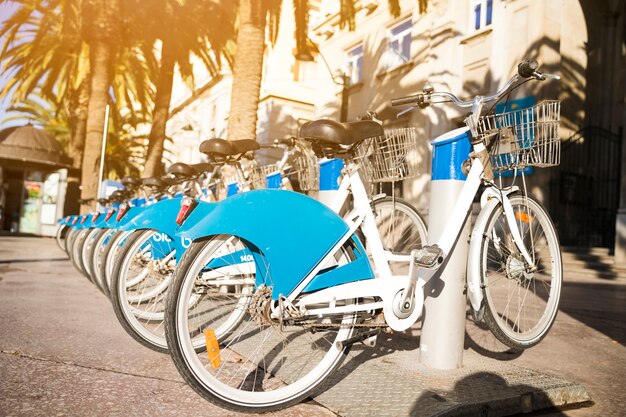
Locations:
(429, 257)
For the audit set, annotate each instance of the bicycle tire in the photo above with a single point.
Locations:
(110, 252)
(60, 236)
(85, 252)
(69, 241)
(77, 248)
(94, 257)
(242, 343)
(503, 273)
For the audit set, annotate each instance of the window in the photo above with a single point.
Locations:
(399, 49)
(355, 64)
(481, 13)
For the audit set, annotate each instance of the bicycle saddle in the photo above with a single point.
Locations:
(329, 136)
(182, 170)
(153, 182)
(130, 182)
(220, 149)
(118, 196)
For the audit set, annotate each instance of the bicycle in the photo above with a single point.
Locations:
(265, 337)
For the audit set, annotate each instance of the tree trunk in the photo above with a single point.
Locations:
(156, 140)
(100, 56)
(78, 123)
(247, 71)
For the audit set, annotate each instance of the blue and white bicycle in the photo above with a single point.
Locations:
(263, 334)
(143, 268)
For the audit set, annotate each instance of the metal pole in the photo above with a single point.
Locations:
(104, 145)
(443, 328)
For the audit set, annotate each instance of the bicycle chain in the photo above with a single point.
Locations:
(310, 324)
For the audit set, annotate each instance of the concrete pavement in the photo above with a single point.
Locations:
(63, 352)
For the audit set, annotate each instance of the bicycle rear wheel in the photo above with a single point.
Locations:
(111, 251)
(521, 300)
(60, 236)
(77, 251)
(140, 279)
(96, 257)
(226, 345)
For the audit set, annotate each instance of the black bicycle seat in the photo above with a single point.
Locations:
(130, 182)
(182, 170)
(334, 137)
(220, 150)
(153, 182)
(346, 134)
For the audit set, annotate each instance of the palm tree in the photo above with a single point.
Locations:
(101, 28)
(185, 28)
(42, 49)
(248, 67)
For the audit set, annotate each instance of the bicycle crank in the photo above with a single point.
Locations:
(401, 314)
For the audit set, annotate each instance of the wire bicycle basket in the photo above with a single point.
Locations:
(257, 176)
(305, 170)
(389, 158)
(522, 138)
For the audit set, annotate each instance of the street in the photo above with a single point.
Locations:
(64, 353)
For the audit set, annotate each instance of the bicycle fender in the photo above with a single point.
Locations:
(161, 217)
(489, 200)
(288, 233)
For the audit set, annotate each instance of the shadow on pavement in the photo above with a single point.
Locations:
(15, 261)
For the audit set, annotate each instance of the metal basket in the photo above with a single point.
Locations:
(390, 158)
(304, 170)
(257, 175)
(522, 138)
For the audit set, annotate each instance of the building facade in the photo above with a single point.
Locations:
(467, 47)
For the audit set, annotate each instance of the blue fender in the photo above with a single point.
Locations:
(160, 216)
(288, 234)
(83, 225)
(100, 223)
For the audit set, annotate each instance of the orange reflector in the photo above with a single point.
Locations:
(212, 348)
(523, 217)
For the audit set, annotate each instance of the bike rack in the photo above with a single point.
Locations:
(443, 327)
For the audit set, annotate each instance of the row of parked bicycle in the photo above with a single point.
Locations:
(258, 292)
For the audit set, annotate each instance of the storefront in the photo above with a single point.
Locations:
(33, 180)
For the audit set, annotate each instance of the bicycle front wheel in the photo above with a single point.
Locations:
(224, 341)
(521, 299)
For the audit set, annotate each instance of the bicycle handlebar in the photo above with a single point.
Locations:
(526, 69)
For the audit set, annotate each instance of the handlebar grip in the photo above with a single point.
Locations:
(527, 68)
(414, 99)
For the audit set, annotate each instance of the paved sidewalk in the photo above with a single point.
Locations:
(63, 352)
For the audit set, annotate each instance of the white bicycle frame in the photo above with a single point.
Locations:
(395, 291)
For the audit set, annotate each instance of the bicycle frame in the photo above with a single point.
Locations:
(398, 290)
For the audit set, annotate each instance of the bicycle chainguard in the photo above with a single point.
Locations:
(429, 257)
